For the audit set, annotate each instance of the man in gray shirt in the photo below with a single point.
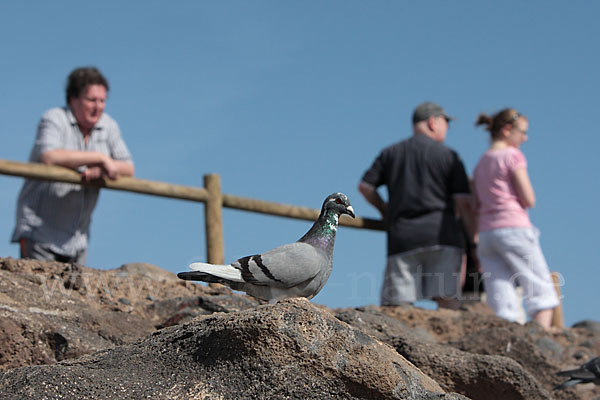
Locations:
(53, 219)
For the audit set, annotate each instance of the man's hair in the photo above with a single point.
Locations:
(81, 77)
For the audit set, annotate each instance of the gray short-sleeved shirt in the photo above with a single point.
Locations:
(59, 214)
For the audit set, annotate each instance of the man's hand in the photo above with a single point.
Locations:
(92, 173)
(110, 167)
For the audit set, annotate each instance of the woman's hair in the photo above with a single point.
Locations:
(496, 122)
(79, 78)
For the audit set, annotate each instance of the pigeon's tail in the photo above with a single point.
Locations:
(212, 273)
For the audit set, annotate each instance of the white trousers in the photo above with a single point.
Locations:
(511, 257)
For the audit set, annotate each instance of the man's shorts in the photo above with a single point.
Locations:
(423, 273)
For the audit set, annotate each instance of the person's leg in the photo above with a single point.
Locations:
(38, 251)
(463, 270)
(23, 248)
(442, 275)
(452, 304)
(499, 286)
(80, 257)
(532, 273)
(35, 251)
(544, 317)
(500, 291)
(399, 284)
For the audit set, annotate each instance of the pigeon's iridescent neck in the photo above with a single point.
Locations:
(325, 234)
(322, 234)
(331, 223)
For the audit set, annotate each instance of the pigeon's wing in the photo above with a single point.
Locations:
(284, 266)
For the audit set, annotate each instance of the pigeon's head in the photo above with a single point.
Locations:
(339, 203)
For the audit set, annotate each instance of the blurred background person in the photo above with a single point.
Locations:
(427, 186)
(53, 218)
(509, 251)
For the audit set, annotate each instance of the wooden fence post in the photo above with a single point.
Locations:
(557, 315)
(213, 220)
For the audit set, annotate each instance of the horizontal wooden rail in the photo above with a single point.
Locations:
(60, 174)
(285, 210)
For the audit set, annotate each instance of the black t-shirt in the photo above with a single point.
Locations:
(422, 176)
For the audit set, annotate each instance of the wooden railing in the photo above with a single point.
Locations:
(214, 201)
(210, 194)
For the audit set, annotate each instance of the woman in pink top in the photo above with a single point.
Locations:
(508, 250)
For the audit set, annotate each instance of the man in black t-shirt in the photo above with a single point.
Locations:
(428, 188)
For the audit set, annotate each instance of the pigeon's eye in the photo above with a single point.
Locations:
(338, 201)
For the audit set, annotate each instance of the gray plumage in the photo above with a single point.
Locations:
(297, 269)
(588, 372)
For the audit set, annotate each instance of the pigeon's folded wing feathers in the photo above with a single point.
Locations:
(284, 266)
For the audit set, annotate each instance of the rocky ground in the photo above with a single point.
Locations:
(72, 332)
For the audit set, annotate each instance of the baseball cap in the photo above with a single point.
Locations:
(429, 109)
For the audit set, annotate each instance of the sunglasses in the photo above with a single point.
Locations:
(512, 119)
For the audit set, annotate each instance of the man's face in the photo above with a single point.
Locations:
(440, 127)
(89, 106)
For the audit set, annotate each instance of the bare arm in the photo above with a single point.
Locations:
(124, 168)
(372, 196)
(524, 188)
(466, 208)
(74, 159)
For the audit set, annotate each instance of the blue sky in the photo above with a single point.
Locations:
(290, 101)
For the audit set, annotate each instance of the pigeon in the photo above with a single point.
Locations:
(588, 372)
(297, 269)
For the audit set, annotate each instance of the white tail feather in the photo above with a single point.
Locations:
(222, 271)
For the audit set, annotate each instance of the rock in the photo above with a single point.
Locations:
(381, 326)
(180, 310)
(78, 332)
(474, 375)
(537, 353)
(125, 301)
(51, 311)
(591, 326)
(292, 349)
(516, 342)
(151, 271)
(477, 376)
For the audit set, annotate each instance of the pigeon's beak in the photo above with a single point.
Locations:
(350, 211)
